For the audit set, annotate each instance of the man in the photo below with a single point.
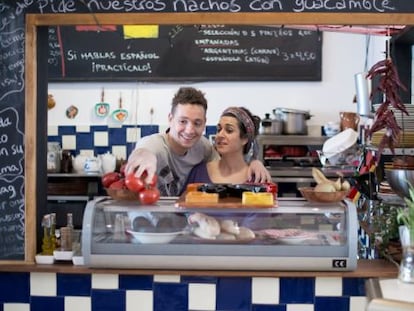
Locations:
(172, 155)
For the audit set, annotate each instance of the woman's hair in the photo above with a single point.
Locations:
(248, 124)
(188, 95)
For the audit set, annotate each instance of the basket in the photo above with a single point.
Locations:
(322, 197)
(122, 194)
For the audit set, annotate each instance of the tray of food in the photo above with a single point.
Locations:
(229, 196)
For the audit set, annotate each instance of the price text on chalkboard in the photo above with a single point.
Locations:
(192, 53)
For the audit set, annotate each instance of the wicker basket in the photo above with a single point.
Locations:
(122, 194)
(322, 197)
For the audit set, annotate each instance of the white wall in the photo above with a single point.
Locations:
(344, 55)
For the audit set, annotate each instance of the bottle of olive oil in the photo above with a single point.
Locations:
(46, 241)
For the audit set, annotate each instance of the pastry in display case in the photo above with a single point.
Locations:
(294, 235)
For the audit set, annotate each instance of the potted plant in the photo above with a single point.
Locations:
(405, 216)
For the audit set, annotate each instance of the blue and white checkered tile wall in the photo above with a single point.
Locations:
(95, 140)
(117, 292)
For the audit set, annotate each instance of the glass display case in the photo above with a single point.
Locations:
(295, 235)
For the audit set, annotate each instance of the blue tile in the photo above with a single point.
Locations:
(268, 308)
(148, 130)
(117, 136)
(73, 284)
(99, 128)
(210, 130)
(102, 150)
(19, 292)
(297, 290)
(234, 293)
(135, 281)
(353, 287)
(170, 297)
(84, 141)
(199, 279)
(39, 303)
(331, 303)
(108, 300)
(66, 130)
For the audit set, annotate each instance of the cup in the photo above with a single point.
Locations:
(349, 120)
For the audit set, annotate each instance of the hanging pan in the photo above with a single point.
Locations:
(120, 114)
(102, 108)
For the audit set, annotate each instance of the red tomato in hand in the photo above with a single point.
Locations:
(118, 185)
(133, 183)
(149, 196)
(272, 188)
(153, 181)
(110, 178)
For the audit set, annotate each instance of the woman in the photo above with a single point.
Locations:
(234, 141)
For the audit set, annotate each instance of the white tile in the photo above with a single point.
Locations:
(16, 307)
(141, 300)
(132, 134)
(69, 142)
(105, 281)
(265, 290)
(357, 303)
(73, 303)
(83, 128)
(52, 130)
(86, 152)
(161, 278)
(328, 286)
(100, 139)
(201, 296)
(42, 284)
(299, 307)
(120, 152)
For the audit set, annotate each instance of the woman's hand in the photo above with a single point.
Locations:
(258, 173)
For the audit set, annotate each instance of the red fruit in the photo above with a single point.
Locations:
(118, 185)
(110, 178)
(133, 183)
(149, 196)
(153, 181)
(272, 188)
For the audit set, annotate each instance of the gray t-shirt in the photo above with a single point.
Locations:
(173, 169)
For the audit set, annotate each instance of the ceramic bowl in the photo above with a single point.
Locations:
(322, 197)
(44, 259)
(154, 238)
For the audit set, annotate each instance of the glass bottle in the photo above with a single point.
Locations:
(53, 231)
(67, 233)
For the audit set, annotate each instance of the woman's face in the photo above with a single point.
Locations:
(228, 139)
(187, 124)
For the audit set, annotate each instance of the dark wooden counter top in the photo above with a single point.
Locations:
(366, 269)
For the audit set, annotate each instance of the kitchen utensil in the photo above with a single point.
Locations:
(102, 108)
(294, 121)
(271, 126)
(120, 114)
(399, 180)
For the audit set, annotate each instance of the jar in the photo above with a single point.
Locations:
(54, 153)
(266, 125)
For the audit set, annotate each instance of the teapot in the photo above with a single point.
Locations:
(92, 165)
(78, 163)
(108, 161)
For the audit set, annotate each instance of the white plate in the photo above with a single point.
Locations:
(154, 238)
(63, 255)
(340, 142)
(294, 239)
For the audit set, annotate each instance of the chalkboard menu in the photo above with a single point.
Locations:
(186, 53)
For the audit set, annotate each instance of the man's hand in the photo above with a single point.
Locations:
(141, 160)
(258, 173)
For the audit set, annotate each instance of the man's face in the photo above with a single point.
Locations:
(186, 126)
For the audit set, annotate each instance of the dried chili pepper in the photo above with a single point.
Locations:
(389, 85)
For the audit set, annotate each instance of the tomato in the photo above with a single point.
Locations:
(118, 185)
(110, 178)
(149, 196)
(272, 188)
(133, 183)
(153, 181)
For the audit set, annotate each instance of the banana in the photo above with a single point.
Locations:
(319, 176)
(338, 184)
(345, 185)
